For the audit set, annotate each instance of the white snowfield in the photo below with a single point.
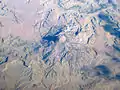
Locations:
(59, 44)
